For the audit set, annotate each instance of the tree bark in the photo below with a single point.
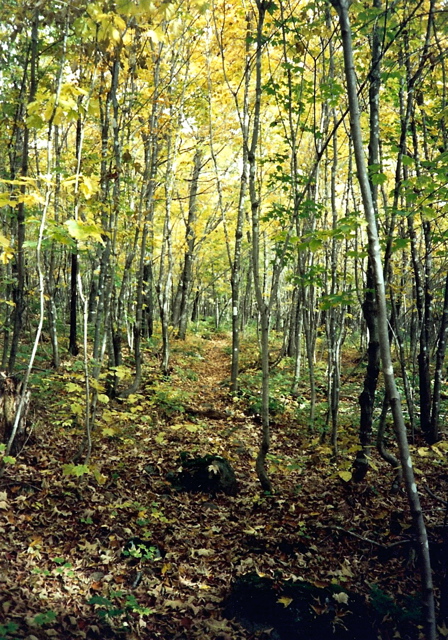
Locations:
(367, 396)
(190, 238)
(342, 7)
(263, 306)
(18, 292)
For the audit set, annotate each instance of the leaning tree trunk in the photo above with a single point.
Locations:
(388, 372)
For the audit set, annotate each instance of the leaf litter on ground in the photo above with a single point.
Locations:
(62, 569)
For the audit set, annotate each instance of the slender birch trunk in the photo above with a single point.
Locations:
(342, 7)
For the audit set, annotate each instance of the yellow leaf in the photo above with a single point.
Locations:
(346, 570)
(5, 199)
(82, 231)
(31, 198)
(192, 428)
(285, 601)
(443, 630)
(250, 531)
(76, 408)
(346, 476)
(3, 500)
(99, 477)
(96, 384)
(87, 187)
(6, 256)
(424, 452)
(102, 397)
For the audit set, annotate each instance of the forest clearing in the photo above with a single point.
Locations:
(65, 528)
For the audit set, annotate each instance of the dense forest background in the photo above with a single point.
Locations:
(243, 172)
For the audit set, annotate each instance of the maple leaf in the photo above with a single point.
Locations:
(213, 467)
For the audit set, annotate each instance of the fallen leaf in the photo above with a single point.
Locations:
(203, 552)
(174, 604)
(285, 601)
(341, 597)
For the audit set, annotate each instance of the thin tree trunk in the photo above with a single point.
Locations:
(439, 373)
(263, 307)
(190, 238)
(381, 445)
(342, 7)
(19, 286)
(367, 396)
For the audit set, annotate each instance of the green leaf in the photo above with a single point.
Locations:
(407, 160)
(378, 178)
(100, 600)
(71, 387)
(83, 231)
(77, 470)
(9, 627)
(44, 618)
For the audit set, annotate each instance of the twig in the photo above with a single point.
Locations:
(433, 495)
(376, 544)
(22, 483)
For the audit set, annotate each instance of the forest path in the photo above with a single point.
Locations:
(65, 528)
(210, 404)
(213, 371)
(201, 367)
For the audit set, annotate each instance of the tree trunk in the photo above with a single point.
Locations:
(438, 373)
(190, 238)
(367, 396)
(263, 307)
(388, 371)
(18, 293)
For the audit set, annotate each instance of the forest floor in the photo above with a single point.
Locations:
(65, 528)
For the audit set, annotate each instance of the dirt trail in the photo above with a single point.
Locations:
(208, 388)
(214, 370)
